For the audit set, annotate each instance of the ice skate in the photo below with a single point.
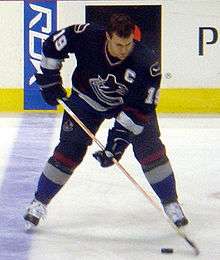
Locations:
(34, 213)
(175, 213)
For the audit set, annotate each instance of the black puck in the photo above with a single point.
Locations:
(167, 250)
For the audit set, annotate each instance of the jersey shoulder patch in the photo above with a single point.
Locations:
(155, 69)
(79, 28)
(147, 59)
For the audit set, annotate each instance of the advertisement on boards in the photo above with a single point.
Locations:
(40, 20)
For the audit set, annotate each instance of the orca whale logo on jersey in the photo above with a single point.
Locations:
(108, 90)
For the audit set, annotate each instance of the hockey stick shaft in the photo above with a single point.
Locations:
(125, 172)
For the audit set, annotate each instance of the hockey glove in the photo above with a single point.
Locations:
(118, 140)
(104, 158)
(51, 87)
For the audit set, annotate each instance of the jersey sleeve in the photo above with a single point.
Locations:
(143, 98)
(59, 44)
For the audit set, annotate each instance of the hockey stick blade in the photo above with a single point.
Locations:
(180, 232)
(192, 244)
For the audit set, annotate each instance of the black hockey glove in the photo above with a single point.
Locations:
(118, 140)
(51, 87)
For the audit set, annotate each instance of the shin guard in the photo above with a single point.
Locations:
(54, 176)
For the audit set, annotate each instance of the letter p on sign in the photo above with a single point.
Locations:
(203, 35)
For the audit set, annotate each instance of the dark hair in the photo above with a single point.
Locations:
(120, 24)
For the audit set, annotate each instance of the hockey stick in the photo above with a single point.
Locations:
(179, 231)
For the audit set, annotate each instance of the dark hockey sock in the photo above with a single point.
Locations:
(46, 189)
(166, 189)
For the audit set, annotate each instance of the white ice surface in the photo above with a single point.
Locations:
(100, 215)
(8, 132)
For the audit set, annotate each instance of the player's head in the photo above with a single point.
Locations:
(120, 35)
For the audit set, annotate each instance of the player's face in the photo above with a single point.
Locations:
(119, 47)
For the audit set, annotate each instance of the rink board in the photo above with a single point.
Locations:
(178, 100)
(189, 40)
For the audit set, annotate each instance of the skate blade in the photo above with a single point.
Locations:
(28, 226)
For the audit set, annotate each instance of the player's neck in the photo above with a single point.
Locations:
(110, 58)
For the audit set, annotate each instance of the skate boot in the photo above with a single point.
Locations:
(34, 213)
(175, 213)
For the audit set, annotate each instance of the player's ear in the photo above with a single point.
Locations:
(108, 36)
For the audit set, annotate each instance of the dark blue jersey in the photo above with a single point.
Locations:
(106, 85)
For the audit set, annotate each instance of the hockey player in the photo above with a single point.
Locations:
(116, 77)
